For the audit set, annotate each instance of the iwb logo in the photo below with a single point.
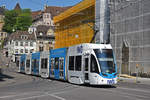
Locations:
(79, 49)
(111, 81)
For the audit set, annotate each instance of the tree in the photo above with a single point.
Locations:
(17, 20)
(10, 20)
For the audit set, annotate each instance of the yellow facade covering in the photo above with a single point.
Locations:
(70, 29)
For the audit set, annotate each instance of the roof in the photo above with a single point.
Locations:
(36, 14)
(17, 7)
(18, 36)
(54, 10)
(42, 29)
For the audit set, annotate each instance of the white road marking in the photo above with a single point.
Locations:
(32, 97)
(58, 97)
(9, 96)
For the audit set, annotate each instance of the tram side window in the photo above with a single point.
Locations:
(61, 63)
(22, 64)
(52, 63)
(94, 66)
(44, 63)
(28, 63)
(78, 63)
(71, 62)
(56, 63)
(37, 63)
(33, 63)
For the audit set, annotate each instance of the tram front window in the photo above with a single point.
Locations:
(106, 60)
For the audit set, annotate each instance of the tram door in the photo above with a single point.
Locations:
(86, 68)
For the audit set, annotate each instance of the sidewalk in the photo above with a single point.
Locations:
(138, 80)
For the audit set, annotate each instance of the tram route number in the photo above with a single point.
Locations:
(111, 81)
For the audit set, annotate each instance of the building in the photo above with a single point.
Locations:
(3, 35)
(43, 26)
(130, 35)
(18, 43)
(75, 25)
(2, 10)
(44, 37)
(45, 17)
(17, 7)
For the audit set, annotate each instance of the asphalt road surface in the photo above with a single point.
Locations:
(46, 89)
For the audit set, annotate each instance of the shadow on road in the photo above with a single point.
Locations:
(100, 86)
(4, 76)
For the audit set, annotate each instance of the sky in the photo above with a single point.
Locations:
(35, 5)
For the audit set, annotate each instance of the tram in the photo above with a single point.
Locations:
(22, 63)
(44, 64)
(35, 63)
(85, 63)
(92, 63)
(28, 64)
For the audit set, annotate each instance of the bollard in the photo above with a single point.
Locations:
(137, 71)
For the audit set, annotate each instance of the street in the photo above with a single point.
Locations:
(37, 88)
(18, 86)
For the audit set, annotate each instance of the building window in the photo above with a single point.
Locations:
(31, 51)
(26, 43)
(21, 43)
(40, 48)
(16, 43)
(50, 48)
(21, 51)
(47, 16)
(16, 51)
(31, 44)
(50, 42)
(26, 50)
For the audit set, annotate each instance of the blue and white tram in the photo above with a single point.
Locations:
(44, 64)
(80, 64)
(57, 64)
(35, 63)
(92, 63)
(22, 63)
(28, 64)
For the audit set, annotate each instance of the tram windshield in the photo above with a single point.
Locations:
(106, 60)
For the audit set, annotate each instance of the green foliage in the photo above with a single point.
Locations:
(17, 20)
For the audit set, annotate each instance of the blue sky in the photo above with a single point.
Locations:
(37, 4)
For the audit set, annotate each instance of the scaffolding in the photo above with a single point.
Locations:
(70, 28)
(130, 35)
